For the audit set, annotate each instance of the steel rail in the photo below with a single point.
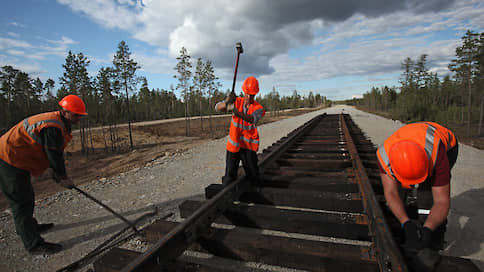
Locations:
(172, 245)
(386, 249)
(321, 180)
(111, 242)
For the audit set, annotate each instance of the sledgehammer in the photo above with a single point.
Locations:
(240, 50)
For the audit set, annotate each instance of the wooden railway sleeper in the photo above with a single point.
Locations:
(360, 210)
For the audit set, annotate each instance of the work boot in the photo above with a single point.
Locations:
(45, 248)
(41, 228)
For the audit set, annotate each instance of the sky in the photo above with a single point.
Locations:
(339, 49)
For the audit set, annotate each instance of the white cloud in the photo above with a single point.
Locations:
(7, 60)
(284, 41)
(127, 2)
(210, 28)
(34, 69)
(155, 64)
(357, 96)
(6, 43)
(13, 34)
(16, 52)
(105, 12)
(95, 61)
(16, 24)
(24, 56)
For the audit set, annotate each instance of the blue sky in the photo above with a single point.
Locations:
(338, 49)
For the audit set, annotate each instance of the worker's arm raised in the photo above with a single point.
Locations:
(227, 104)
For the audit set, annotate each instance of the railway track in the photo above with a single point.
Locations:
(319, 206)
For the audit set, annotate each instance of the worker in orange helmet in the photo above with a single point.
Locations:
(418, 155)
(29, 148)
(243, 141)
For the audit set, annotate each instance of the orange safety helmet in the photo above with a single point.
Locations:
(73, 103)
(250, 86)
(409, 162)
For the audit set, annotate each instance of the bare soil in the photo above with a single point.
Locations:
(151, 140)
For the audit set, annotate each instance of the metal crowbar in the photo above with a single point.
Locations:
(107, 208)
(99, 202)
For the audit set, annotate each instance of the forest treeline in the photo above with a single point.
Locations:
(423, 96)
(116, 94)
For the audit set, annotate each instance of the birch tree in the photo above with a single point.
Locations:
(183, 68)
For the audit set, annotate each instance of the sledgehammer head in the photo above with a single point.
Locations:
(239, 47)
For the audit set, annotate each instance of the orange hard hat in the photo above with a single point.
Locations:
(409, 162)
(250, 86)
(73, 103)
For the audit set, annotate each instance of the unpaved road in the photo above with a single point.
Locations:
(168, 180)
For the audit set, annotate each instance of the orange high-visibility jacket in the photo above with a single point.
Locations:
(426, 134)
(242, 133)
(22, 147)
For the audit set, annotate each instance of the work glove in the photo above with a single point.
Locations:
(230, 107)
(418, 240)
(413, 235)
(230, 99)
(425, 260)
(426, 240)
(235, 111)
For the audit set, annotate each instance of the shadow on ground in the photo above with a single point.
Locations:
(164, 209)
(465, 234)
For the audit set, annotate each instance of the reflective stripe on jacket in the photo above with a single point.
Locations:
(426, 134)
(22, 145)
(242, 133)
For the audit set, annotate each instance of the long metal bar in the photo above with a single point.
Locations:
(113, 241)
(131, 224)
(118, 215)
(179, 239)
(388, 254)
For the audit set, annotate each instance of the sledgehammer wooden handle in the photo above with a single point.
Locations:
(240, 50)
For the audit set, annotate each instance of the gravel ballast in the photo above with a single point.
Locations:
(81, 224)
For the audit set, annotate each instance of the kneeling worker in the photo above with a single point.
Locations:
(243, 141)
(29, 148)
(422, 154)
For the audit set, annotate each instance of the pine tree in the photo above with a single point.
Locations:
(145, 99)
(7, 77)
(23, 93)
(49, 99)
(125, 73)
(75, 80)
(465, 67)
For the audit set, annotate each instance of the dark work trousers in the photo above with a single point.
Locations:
(249, 162)
(16, 186)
